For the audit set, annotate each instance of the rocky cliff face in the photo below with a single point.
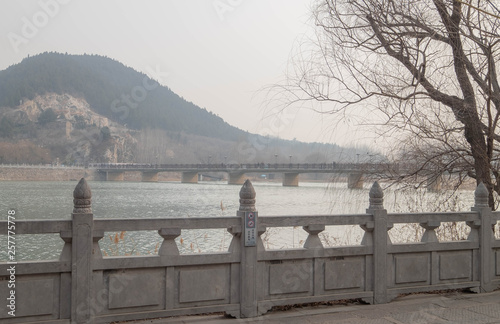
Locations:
(65, 106)
(76, 136)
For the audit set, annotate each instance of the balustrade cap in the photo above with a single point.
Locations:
(82, 190)
(247, 197)
(481, 196)
(82, 198)
(376, 196)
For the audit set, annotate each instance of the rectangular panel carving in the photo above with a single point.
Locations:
(455, 265)
(31, 297)
(342, 274)
(412, 268)
(291, 277)
(203, 284)
(135, 288)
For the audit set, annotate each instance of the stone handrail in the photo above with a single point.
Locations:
(246, 280)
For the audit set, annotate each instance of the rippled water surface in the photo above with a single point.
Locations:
(54, 200)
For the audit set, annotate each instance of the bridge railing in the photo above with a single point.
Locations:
(248, 279)
(371, 167)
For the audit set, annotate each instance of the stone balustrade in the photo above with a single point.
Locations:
(248, 279)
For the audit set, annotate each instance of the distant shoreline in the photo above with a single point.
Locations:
(75, 173)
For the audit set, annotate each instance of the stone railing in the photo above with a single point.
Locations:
(247, 280)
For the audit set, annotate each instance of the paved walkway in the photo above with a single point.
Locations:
(454, 307)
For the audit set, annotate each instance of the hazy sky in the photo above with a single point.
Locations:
(215, 53)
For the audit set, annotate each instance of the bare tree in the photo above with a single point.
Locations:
(423, 68)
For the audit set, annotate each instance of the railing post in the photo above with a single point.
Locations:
(380, 242)
(248, 247)
(486, 236)
(81, 254)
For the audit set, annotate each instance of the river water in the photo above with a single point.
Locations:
(54, 200)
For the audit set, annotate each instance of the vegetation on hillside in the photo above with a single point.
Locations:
(161, 127)
(112, 90)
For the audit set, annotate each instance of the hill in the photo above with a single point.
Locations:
(59, 108)
(112, 90)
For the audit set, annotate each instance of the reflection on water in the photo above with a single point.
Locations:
(54, 200)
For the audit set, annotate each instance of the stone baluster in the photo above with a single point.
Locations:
(67, 237)
(96, 249)
(313, 241)
(368, 236)
(474, 225)
(430, 233)
(234, 246)
(169, 246)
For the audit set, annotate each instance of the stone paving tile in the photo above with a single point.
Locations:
(454, 303)
(465, 316)
(409, 308)
(338, 316)
(313, 310)
(361, 321)
(427, 309)
(491, 310)
(374, 313)
(485, 297)
(421, 317)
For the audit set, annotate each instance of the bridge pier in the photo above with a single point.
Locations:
(149, 176)
(114, 175)
(355, 180)
(291, 179)
(236, 178)
(189, 177)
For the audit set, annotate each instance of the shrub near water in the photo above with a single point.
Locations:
(421, 200)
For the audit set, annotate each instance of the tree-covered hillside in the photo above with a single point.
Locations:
(113, 90)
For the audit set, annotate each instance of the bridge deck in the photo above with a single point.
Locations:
(249, 168)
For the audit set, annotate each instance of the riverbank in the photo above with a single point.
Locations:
(44, 173)
(62, 173)
(69, 173)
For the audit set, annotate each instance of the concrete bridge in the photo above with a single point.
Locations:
(236, 172)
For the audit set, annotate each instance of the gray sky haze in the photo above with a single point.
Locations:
(218, 54)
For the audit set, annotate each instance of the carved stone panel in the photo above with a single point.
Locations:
(31, 297)
(197, 285)
(135, 288)
(412, 268)
(343, 274)
(455, 265)
(290, 277)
